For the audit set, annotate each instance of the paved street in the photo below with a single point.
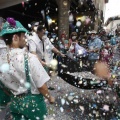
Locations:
(76, 104)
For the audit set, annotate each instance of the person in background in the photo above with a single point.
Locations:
(94, 46)
(25, 77)
(4, 96)
(33, 37)
(102, 35)
(44, 49)
(75, 48)
(41, 46)
(73, 39)
(63, 43)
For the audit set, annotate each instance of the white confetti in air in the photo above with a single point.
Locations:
(78, 24)
(47, 47)
(22, 81)
(22, 117)
(26, 40)
(58, 88)
(61, 109)
(4, 68)
(67, 103)
(56, 28)
(71, 18)
(44, 116)
(114, 98)
(37, 118)
(51, 39)
(76, 101)
(99, 92)
(80, 82)
(53, 63)
(80, 52)
(29, 25)
(64, 66)
(82, 108)
(62, 101)
(49, 21)
(27, 85)
(106, 107)
(70, 98)
(56, 9)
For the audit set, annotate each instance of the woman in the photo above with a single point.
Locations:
(25, 77)
(75, 49)
(64, 44)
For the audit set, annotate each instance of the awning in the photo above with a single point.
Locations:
(8, 3)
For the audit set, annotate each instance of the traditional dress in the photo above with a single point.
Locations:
(23, 74)
(30, 105)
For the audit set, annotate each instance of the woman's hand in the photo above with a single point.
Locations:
(51, 100)
(102, 70)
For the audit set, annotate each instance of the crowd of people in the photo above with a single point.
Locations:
(25, 63)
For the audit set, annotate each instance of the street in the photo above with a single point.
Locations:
(78, 104)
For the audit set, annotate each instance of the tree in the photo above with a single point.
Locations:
(63, 17)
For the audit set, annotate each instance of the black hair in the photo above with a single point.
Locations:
(40, 28)
(32, 23)
(8, 37)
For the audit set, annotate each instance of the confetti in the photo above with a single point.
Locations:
(52, 40)
(53, 63)
(29, 25)
(99, 92)
(76, 101)
(70, 98)
(106, 107)
(78, 24)
(4, 68)
(22, 81)
(62, 101)
(27, 85)
(47, 47)
(71, 19)
(61, 109)
(82, 108)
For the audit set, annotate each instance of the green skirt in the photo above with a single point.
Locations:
(4, 98)
(30, 107)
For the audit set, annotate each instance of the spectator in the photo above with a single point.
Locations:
(94, 46)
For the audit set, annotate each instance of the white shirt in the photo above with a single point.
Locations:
(36, 45)
(3, 50)
(15, 78)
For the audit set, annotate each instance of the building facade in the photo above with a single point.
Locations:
(100, 6)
